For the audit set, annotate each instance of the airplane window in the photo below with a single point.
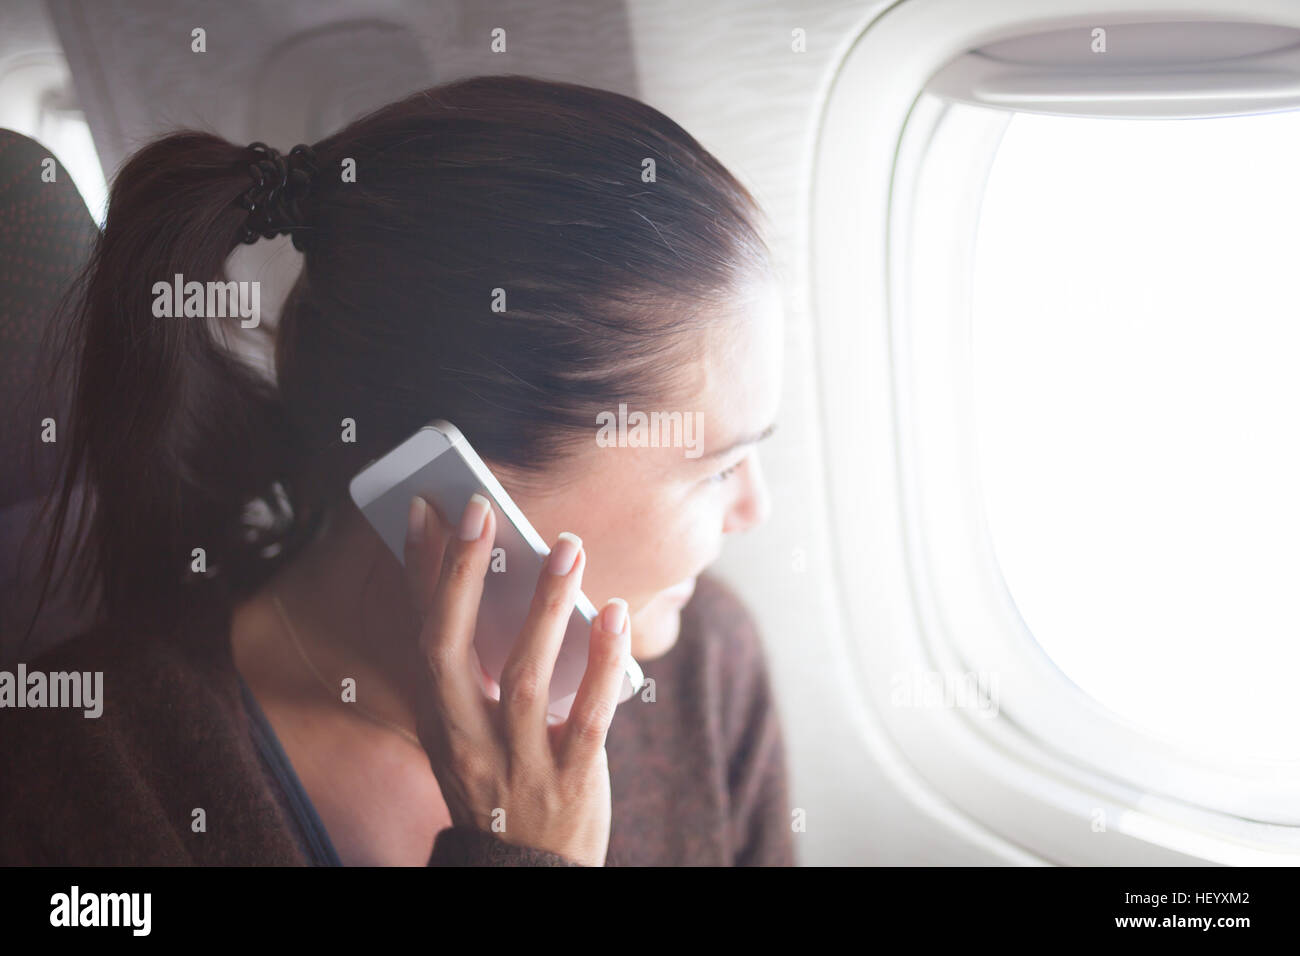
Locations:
(1135, 343)
(37, 100)
(67, 134)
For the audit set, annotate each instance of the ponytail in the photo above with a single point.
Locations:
(173, 435)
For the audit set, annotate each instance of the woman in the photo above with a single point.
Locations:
(516, 256)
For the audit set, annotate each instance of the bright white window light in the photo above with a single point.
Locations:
(67, 135)
(1136, 333)
(37, 100)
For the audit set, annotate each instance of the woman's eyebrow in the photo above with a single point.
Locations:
(746, 440)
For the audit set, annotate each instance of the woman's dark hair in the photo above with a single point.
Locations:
(506, 183)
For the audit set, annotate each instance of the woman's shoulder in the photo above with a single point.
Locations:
(136, 672)
(112, 731)
(717, 602)
(107, 682)
(104, 686)
(720, 653)
(716, 625)
(700, 744)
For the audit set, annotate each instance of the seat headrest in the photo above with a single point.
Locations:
(46, 234)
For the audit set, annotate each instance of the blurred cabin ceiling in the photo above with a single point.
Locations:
(292, 72)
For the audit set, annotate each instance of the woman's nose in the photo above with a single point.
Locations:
(753, 504)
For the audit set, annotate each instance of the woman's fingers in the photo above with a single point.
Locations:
(602, 683)
(422, 556)
(526, 677)
(447, 633)
(488, 755)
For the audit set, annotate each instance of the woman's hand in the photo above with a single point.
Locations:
(498, 760)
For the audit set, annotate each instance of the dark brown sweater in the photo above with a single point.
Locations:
(698, 776)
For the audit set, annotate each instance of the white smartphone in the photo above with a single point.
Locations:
(438, 463)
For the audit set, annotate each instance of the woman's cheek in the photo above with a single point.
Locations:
(702, 537)
(662, 548)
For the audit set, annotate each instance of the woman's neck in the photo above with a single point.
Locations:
(347, 603)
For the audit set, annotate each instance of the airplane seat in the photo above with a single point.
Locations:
(46, 234)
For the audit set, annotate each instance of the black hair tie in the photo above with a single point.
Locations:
(275, 203)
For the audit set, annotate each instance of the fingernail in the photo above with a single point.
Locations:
(564, 554)
(474, 517)
(614, 618)
(415, 520)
